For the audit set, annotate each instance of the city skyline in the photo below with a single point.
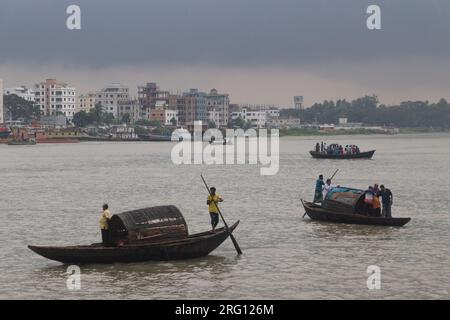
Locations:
(268, 54)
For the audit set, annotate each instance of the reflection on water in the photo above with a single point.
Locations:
(54, 195)
(327, 230)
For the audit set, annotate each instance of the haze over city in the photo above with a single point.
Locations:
(258, 51)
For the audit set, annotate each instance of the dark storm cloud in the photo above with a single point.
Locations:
(220, 32)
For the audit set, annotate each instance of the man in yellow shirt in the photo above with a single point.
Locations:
(104, 219)
(212, 201)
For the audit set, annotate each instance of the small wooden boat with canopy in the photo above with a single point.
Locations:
(150, 234)
(346, 205)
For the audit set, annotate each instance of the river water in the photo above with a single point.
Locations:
(52, 195)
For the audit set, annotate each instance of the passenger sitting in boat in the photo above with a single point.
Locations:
(376, 204)
(212, 201)
(104, 227)
(318, 195)
(376, 190)
(368, 201)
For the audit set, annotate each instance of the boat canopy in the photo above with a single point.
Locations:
(148, 225)
(343, 199)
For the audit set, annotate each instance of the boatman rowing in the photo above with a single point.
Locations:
(212, 201)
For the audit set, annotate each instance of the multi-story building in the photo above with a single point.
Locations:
(186, 106)
(111, 96)
(166, 117)
(258, 115)
(131, 107)
(218, 104)
(258, 118)
(55, 98)
(201, 108)
(149, 94)
(1, 102)
(86, 102)
(22, 91)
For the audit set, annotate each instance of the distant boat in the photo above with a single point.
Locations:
(154, 137)
(221, 142)
(29, 142)
(345, 205)
(361, 155)
(150, 234)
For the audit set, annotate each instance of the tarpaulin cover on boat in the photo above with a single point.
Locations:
(148, 224)
(343, 199)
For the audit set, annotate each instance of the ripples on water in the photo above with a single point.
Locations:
(52, 194)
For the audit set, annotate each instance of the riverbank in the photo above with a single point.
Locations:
(359, 131)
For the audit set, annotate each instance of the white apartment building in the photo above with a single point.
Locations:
(258, 118)
(21, 91)
(55, 97)
(86, 102)
(214, 116)
(169, 115)
(1, 102)
(111, 96)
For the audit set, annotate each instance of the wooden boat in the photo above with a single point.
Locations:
(224, 142)
(361, 155)
(155, 137)
(345, 205)
(29, 142)
(151, 234)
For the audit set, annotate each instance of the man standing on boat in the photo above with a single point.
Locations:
(318, 195)
(387, 199)
(327, 188)
(104, 227)
(212, 201)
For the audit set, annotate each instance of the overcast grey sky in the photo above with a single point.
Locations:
(260, 51)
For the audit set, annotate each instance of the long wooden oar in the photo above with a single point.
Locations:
(334, 174)
(238, 250)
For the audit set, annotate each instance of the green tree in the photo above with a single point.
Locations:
(82, 119)
(17, 108)
(173, 121)
(236, 123)
(96, 113)
(126, 118)
(211, 125)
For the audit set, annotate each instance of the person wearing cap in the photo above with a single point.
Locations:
(212, 201)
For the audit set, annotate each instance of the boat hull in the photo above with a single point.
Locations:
(195, 246)
(362, 155)
(152, 137)
(315, 212)
(21, 143)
